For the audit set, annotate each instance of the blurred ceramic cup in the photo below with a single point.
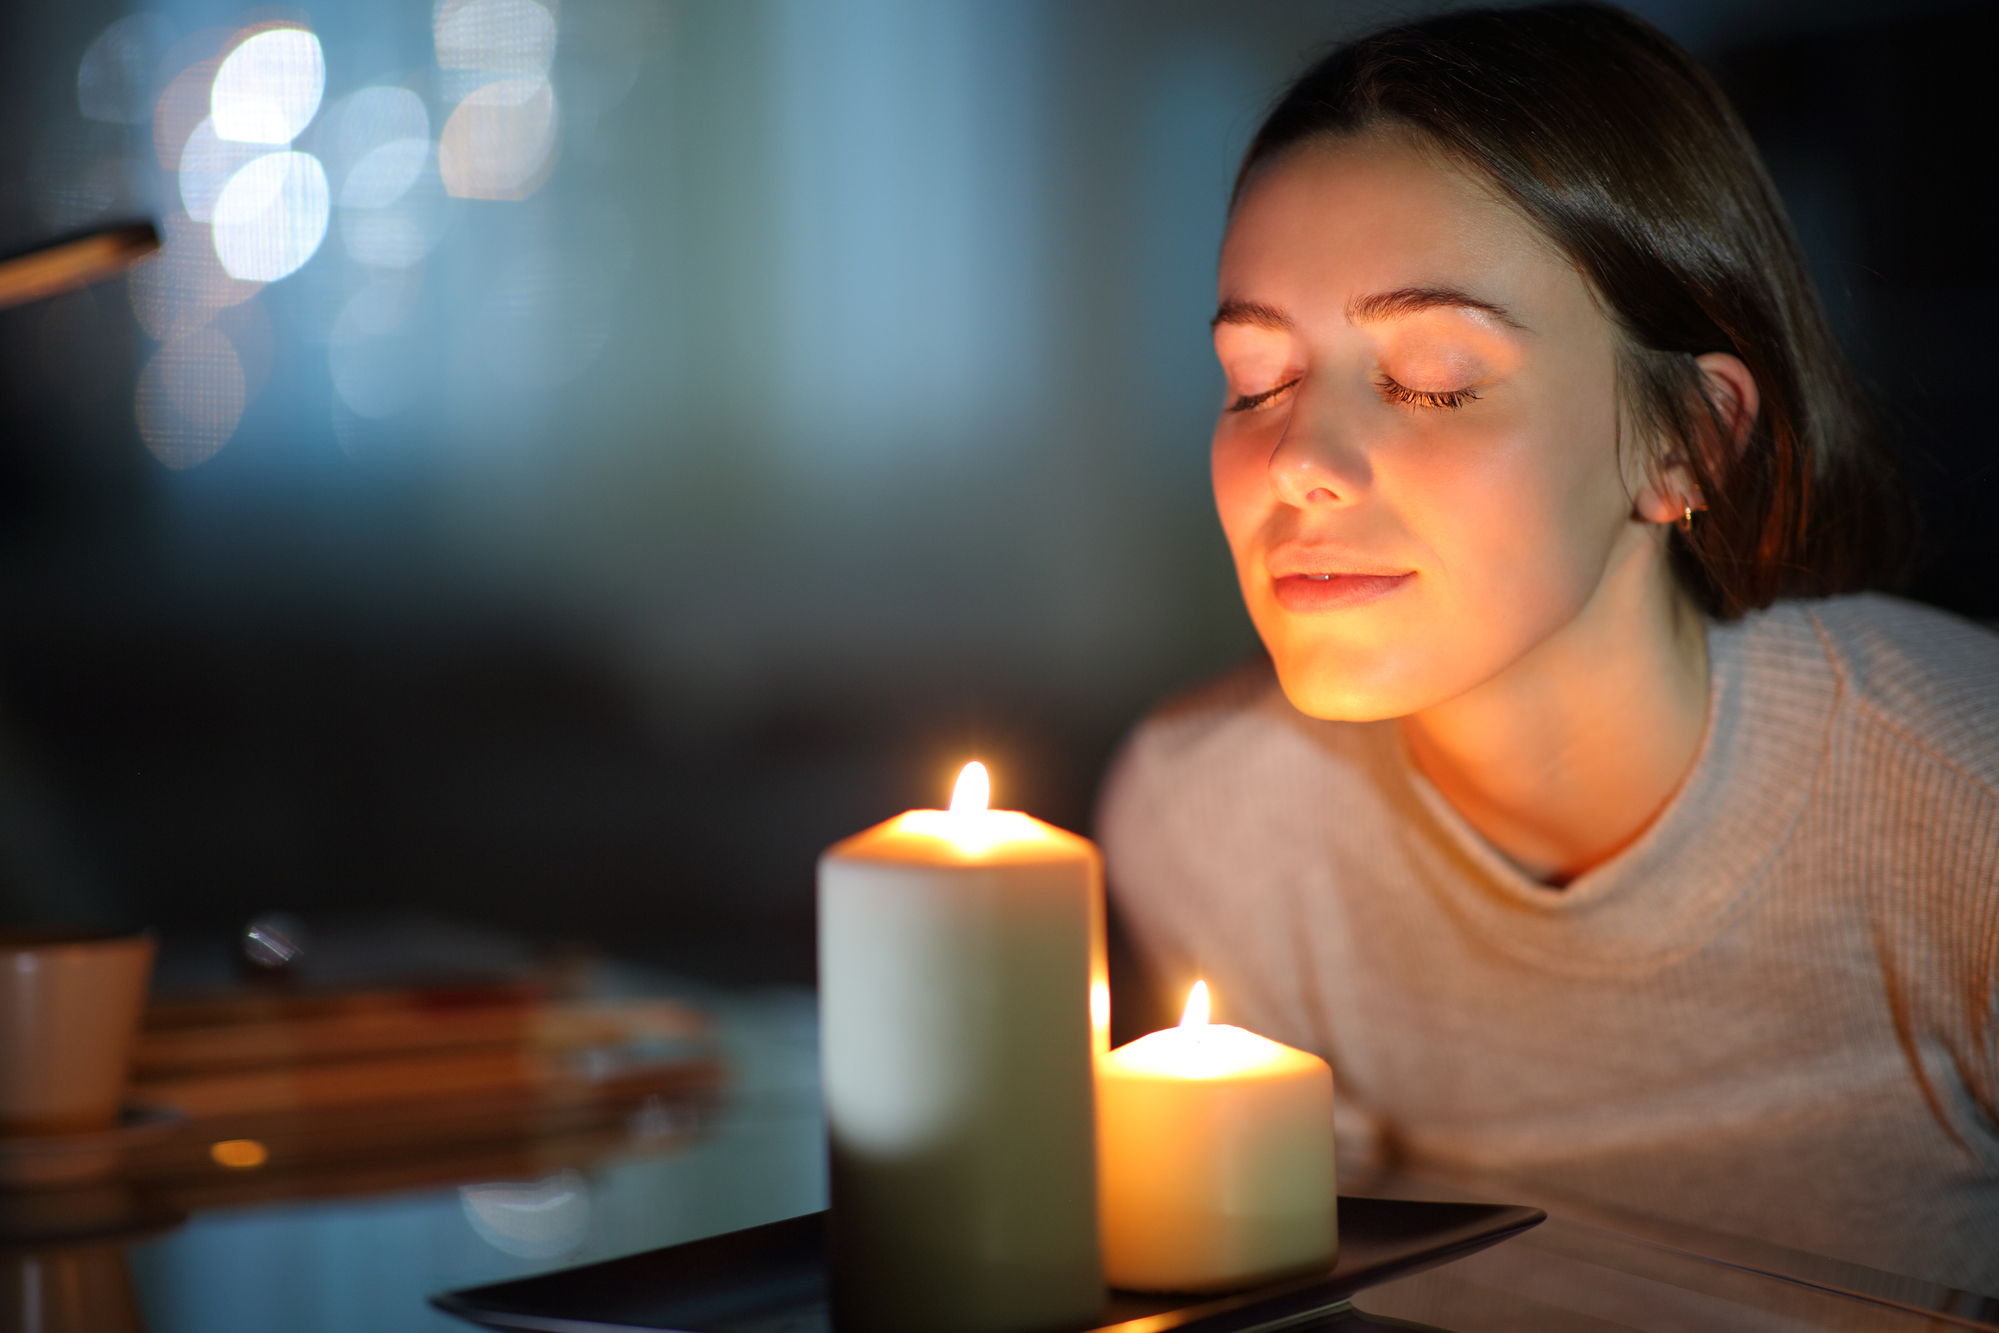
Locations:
(70, 1002)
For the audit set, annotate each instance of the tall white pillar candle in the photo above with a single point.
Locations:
(1216, 1158)
(958, 951)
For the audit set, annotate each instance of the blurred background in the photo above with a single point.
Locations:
(573, 461)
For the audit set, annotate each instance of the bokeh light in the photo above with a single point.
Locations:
(544, 1220)
(271, 216)
(385, 175)
(239, 1154)
(362, 122)
(377, 309)
(114, 81)
(190, 398)
(260, 155)
(500, 141)
(181, 288)
(401, 234)
(207, 161)
(495, 36)
(248, 328)
(378, 154)
(268, 90)
(603, 45)
(379, 366)
(183, 105)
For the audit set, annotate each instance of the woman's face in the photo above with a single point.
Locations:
(1417, 466)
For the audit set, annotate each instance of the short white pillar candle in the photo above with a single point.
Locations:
(1215, 1158)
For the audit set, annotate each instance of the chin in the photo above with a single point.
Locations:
(1364, 674)
(1345, 691)
(1391, 661)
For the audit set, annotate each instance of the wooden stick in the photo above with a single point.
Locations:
(77, 262)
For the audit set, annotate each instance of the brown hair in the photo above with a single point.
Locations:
(1622, 150)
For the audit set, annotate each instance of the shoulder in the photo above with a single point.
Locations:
(1930, 677)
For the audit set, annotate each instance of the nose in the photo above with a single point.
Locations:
(1318, 461)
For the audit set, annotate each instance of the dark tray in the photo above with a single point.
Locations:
(772, 1279)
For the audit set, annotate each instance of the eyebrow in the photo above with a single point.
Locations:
(1409, 300)
(1253, 313)
(1403, 301)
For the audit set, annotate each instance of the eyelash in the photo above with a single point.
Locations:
(1393, 392)
(1249, 402)
(1396, 393)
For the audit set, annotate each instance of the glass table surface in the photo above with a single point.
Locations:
(364, 1252)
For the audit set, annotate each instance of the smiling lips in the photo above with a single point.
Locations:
(1332, 592)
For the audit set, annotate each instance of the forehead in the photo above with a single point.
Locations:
(1330, 222)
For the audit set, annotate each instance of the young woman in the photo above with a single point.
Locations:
(1573, 817)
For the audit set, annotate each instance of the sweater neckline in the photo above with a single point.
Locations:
(1770, 702)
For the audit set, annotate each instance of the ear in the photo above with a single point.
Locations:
(1731, 389)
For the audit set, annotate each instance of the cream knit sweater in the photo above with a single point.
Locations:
(1775, 1013)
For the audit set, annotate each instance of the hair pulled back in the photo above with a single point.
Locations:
(1628, 157)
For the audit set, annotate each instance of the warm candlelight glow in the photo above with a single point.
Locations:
(1215, 1158)
(239, 1154)
(1203, 1050)
(974, 792)
(976, 833)
(1195, 1015)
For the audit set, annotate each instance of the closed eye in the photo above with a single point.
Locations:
(1407, 397)
(1249, 402)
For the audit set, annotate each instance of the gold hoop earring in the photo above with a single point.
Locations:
(1686, 523)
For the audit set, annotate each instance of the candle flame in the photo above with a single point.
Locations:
(974, 791)
(1196, 1013)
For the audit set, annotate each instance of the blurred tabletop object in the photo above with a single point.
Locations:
(400, 1051)
(76, 261)
(307, 1083)
(350, 1149)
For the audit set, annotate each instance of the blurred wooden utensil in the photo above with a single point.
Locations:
(308, 1093)
(75, 262)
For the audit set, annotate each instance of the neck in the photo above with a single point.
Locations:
(1568, 755)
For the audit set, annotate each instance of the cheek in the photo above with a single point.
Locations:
(1523, 519)
(1238, 469)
